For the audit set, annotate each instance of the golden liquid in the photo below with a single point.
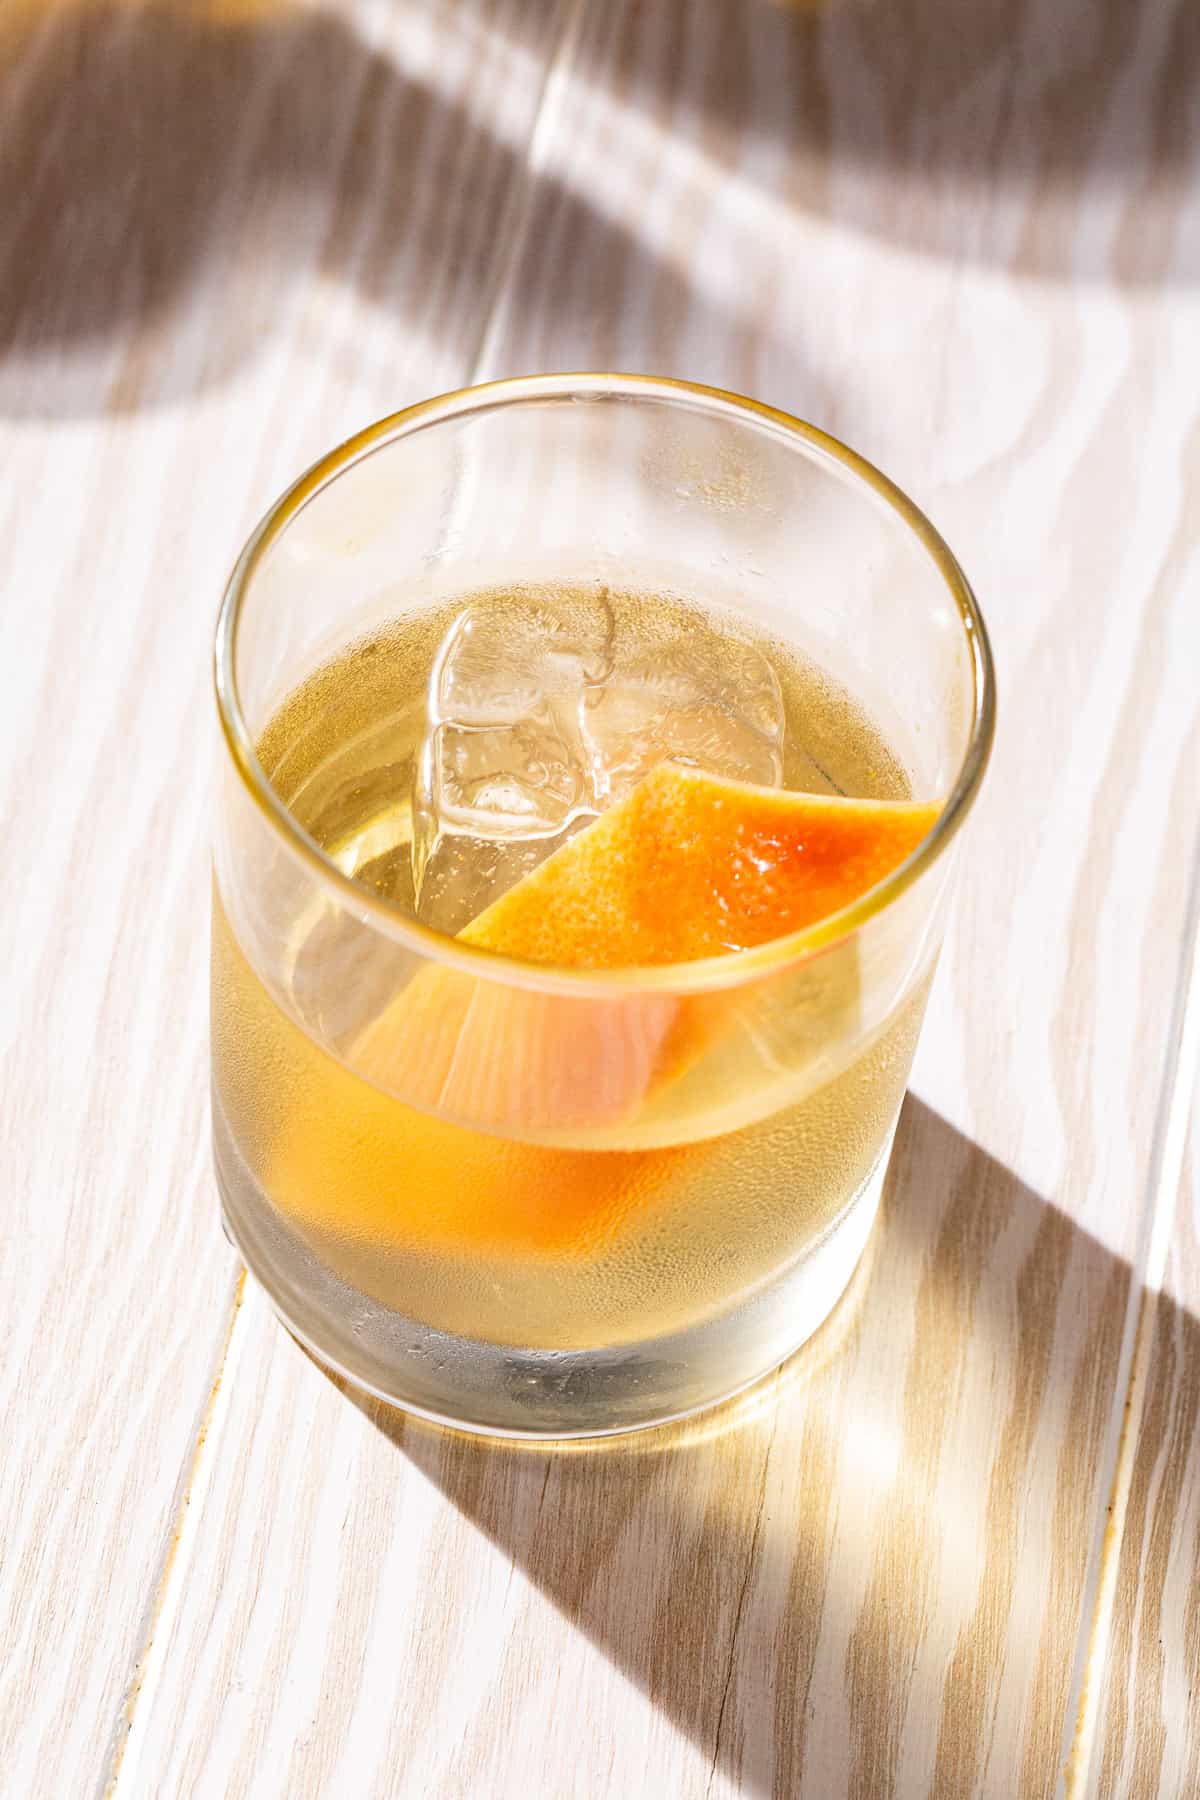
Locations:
(487, 1238)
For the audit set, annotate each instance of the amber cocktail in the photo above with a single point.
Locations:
(594, 748)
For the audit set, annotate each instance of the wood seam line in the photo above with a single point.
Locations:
(1181, 1067)
(752, 1557)
(196, 1473)
(188, 1505)
(517, 215)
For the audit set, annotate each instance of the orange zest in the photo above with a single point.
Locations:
(688, 866)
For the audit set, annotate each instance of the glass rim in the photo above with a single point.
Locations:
(729, 968)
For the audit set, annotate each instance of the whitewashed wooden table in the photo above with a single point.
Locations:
(955, 1548)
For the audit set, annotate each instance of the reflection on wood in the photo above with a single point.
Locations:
(823, 1591)
(1149, 1728)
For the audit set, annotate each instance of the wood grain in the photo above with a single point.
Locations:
(1149, 1728)
(971, 249)
(970, 244)
(228, 235)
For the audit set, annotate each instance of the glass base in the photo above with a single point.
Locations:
(504, 1391)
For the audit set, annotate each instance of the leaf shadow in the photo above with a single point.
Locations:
(173, 178)
(174, 181)
(972, 133)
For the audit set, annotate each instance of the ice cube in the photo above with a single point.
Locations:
(502, 662)
(543, 713)
(504, 759)
(462, 874)
(700, 698)
(521, 780)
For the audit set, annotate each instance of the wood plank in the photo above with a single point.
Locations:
(975, 257)
(728, 1607)
(1148, 1737)
(228, 235)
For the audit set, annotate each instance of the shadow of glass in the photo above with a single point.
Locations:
(798, 1575)
(970, 132)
